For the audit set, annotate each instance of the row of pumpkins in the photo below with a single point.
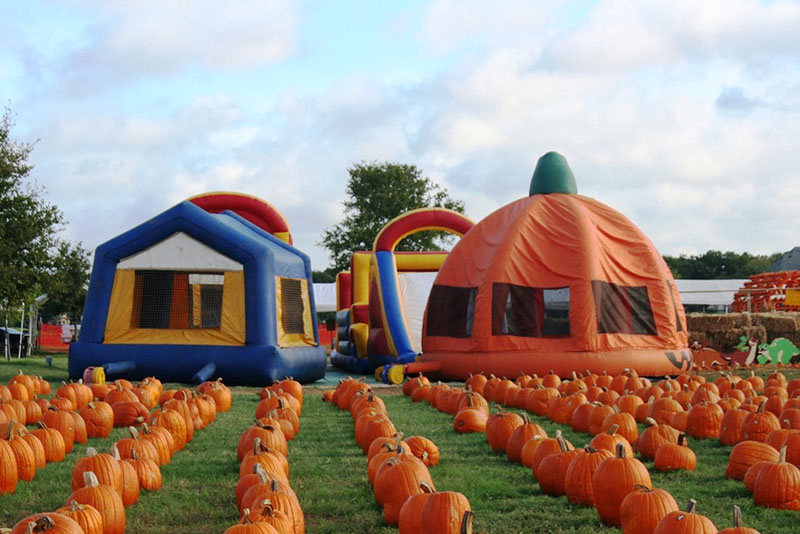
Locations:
(266, 500)
(397, 468)
(105, 483)
(604, 474)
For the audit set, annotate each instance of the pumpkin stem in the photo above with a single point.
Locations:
(620, 450)
(650, 421)
(466, 523)
(246, 517)
(525, 419)
(426, 488)
(782, 455)
(642, 487)
(612, 429)
(761, 406)
(588, 448)
(562, 443)
(682, 439)
(267, 509)
(690, 506)
(90, 479)
(737, 516)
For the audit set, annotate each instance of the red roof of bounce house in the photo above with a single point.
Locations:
(558, 282)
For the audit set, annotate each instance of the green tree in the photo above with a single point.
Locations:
(66, 286)
(28, 225)
(376, 194)
(714, 264)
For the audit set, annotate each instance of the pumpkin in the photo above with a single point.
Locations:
(424, 449)
(737, 524)
(104, 466)
(625, 423)
(220, 393)
(704, 420)
(545, 448)
(248, 526)
(173, 422)
(732, 430)
(34, 443)
(752, 473)
(608, 441)
(277, 519)
(130, 480)
(759, 424)
(470, 420)
(528, 451)
(271, 460)
(410, 519)
(81, 432)
(48, 523)
(282, 498)
(64, 423)
(376, 428)
(579, 420)
(129, 413)
(377, 445)
(499, 428)
(653, 437)
(413, 383)
(398, 479)
(745, 454)
(446, 512)
(472, 400)
(520, 436)
(673, 456)
(120, 394)
(84, 515)
(778, 485)
(142, 448)
(613, 479)
(685, 522)
(33, 411)
(538, 401)
(23, 454)
(52, 441)
(105, 500)
(643, 508)
(663, 408)
(578, 477)
(553, 468)
(776, 438)
(161, 439)
(476, 383)
(9, 474)
(598, 414)
(147, 472)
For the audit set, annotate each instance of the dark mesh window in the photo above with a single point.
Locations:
(530, 311)
(623, 309)
(292, 306)
(177, 300)
(675, 307)
(451, 311)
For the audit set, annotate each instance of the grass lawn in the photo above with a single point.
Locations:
(328, 472)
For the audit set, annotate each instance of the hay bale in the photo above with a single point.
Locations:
(777, 324)
(701, 322)
(700, 337)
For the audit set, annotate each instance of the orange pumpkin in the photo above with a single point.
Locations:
(105, 500)
(578, 477)
(613, 479)
(643, 508)
(84, 515)
(685, 522)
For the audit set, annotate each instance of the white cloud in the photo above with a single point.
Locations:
(134, 39)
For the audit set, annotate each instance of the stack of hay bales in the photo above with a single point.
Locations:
(722, 332)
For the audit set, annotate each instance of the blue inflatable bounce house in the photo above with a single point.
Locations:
(210, 288)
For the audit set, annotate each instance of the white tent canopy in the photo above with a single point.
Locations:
(708, 292)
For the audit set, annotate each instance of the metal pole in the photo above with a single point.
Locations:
(21, 330)
(749, 295)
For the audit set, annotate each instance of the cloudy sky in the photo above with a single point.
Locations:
(682, 114)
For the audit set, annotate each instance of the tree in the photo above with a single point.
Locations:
(28, 224)
(714, 264)
(377, 193)
(67, 283)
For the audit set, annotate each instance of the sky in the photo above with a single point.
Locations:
(682, 115)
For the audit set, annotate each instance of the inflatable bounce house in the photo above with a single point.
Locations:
(554, 281)
(212, 287)
(381, 300)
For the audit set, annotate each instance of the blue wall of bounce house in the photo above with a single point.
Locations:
(260, 361)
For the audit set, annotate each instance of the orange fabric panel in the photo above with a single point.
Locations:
(559, 240)
(179, 304)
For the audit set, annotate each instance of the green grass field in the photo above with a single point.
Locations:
(328, 472)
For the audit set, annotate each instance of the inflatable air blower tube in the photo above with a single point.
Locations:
(205, 373)
(118, 368)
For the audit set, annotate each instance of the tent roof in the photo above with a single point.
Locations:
(788, 262)
(708, 292)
